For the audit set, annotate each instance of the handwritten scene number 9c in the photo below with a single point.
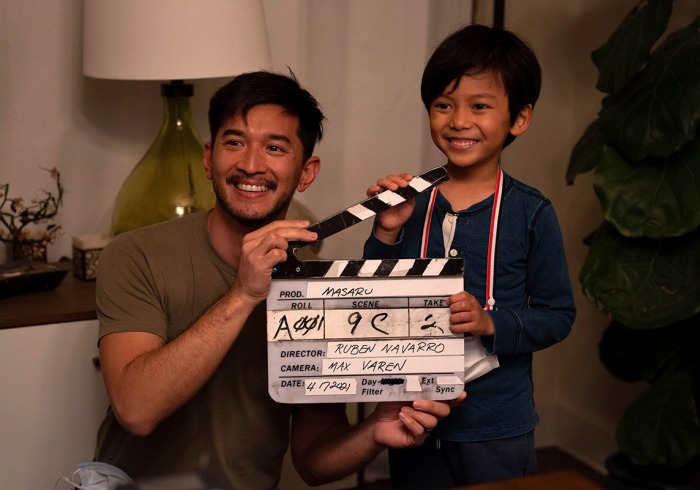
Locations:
(361, 323)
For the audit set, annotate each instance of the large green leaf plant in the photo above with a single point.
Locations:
(643, 264)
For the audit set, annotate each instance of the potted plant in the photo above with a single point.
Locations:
(19, 221)
(643, 264)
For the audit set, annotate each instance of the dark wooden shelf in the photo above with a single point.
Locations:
(72, 300)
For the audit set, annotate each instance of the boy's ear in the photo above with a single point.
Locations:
(522, 121)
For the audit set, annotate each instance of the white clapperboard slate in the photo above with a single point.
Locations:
(364, 330)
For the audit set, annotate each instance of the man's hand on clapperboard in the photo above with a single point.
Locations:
(390, 221)
(262, 250)
(403, 424)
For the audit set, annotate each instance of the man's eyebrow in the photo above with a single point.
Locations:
(269, 136)
(232, 132)
(278, 137)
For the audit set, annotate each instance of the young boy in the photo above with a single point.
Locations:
(479, 88)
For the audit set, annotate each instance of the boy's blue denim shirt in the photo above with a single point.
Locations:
(534, 302)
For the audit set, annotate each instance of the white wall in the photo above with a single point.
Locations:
(96, 130)
(53, 116)
(364, 70)
(363, 60)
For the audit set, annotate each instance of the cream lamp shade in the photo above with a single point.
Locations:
(173, 39)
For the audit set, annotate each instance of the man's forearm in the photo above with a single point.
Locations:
(338, 452)
(154, 383)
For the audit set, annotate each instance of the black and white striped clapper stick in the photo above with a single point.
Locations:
(362, 211)
(373, 205)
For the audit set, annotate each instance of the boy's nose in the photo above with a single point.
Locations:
(461, 119)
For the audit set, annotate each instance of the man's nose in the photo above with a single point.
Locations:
(252, 161)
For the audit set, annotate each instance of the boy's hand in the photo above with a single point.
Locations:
(467, 315)
(390, 221)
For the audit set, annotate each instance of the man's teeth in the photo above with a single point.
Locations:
(251, 188)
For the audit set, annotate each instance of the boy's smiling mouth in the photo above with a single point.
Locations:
(461, 143)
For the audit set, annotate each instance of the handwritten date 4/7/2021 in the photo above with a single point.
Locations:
(335, 386)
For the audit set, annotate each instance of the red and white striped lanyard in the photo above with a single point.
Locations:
(493, 231)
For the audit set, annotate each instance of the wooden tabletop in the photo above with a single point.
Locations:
(569, 480)
(72, 300)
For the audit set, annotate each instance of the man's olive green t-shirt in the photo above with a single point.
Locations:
(161, 279)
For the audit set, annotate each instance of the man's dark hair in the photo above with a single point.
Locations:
(248, 90)
(478, 49)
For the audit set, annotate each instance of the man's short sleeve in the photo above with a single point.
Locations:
(127, 296)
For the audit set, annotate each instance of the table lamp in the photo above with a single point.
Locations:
(173, 41)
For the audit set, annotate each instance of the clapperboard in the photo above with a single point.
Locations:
(364, 330)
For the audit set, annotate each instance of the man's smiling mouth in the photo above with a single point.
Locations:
(247, 184)
(251, 188)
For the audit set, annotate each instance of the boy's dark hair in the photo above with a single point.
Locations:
(248, 90)
(477, 49)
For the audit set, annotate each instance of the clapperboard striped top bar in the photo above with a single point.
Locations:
(351, 216)
(384, 268)
(373, 205)
(376, 204)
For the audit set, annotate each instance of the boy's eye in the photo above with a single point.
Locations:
(441, 105)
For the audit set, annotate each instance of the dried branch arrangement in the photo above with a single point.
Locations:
(19, 221)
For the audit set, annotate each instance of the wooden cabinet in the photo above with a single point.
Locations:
(52, 398)
(53, 401)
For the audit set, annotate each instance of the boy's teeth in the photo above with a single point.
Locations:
(463, 142)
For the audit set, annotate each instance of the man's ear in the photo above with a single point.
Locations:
(522, 121)
(206, 158)
(312, 167)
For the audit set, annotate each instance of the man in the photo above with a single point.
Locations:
(182, 316)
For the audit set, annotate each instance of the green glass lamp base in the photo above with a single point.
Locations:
(169, 181)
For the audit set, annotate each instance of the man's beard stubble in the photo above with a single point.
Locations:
(254, 221)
